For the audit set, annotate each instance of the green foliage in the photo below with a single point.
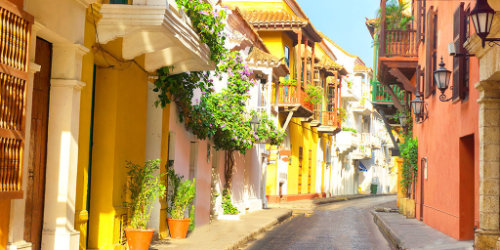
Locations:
(288, 81)
(314, 94)
(349, 130)
(183, 199)
(409, 153)
(209, 24)
(268, 132)
(342, 114)
(394, 17)
(227, 205)
(145, 187)
(180, 195)
(405, 114)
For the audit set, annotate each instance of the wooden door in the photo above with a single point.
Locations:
(38, 145)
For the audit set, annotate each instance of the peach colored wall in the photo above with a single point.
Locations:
(439, 139)
(203, 174)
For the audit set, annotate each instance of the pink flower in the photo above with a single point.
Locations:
(223, 126)
(203, 12)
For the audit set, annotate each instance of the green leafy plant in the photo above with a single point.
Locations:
(221, 117)
(314, 94)
(183, 199)
(180, 194)
(409, 153)
(268, 132)
(288, 81)
(145, 187)
(342, 114)
(349, 129)
(394, 17)
(227, 205)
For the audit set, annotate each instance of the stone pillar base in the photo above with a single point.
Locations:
(19, 245)
(486, 239)
(62, 238)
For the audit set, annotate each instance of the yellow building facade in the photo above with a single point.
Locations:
(118, 113)
(296, 170)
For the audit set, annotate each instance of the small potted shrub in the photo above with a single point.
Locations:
(230, 211)
(181, 194)
(145, 188)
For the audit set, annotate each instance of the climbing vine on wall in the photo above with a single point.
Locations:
(222, 116)
(409, 153)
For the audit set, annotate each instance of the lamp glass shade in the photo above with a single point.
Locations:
(442, 78)
(482, 17)
(254, 122)
(417, 105)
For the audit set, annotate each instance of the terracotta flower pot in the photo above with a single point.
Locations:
(139, 239)
(178, 228)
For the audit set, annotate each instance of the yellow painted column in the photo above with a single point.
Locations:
(81, 213)
(119, 135)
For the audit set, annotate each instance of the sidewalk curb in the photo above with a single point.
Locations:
(250, 236)
(388, 233)
(347, 198)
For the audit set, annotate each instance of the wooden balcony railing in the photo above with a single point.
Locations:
(381, 96)
(399, 43)
(14, 47)
(287, 95)
(326, 118)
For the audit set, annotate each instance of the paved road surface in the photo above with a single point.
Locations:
(341, 225)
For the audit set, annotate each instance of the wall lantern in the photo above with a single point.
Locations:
(442, 78)
(254, 122)
(482, 17)
(419, 108)
(403, 119)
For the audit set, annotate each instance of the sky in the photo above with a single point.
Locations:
(343, 21)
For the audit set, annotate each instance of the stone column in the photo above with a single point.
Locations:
(489, 165)
(153, 145)
(62, 148)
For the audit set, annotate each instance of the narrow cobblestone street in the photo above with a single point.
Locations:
(342, 225)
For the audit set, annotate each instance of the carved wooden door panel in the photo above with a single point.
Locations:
(35, 191)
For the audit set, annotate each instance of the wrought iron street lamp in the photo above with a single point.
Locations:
(419, 108)
(442, 79)
(482, 17)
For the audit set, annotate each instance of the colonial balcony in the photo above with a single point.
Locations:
(381, 95)
(397, 54)
(329, 121)
(364, 150)
(157, 29)
(347, 141)
(292, 98)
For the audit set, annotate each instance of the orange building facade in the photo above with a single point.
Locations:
(446, 189)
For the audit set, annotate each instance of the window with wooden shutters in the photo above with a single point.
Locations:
(459, 62)
(15, 29)
(420, 14)
(430, 50)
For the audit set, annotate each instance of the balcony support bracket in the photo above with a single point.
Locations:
(288, 119)
(402, 79)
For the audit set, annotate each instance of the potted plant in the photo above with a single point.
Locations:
(144, 188)
(230, 211)
(180, 196)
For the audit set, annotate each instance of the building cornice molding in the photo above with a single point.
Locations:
(164, 34)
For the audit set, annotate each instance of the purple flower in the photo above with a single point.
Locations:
(256, 138)
(223, 126)
(202, 92)
(210, 124)
(203, 12)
